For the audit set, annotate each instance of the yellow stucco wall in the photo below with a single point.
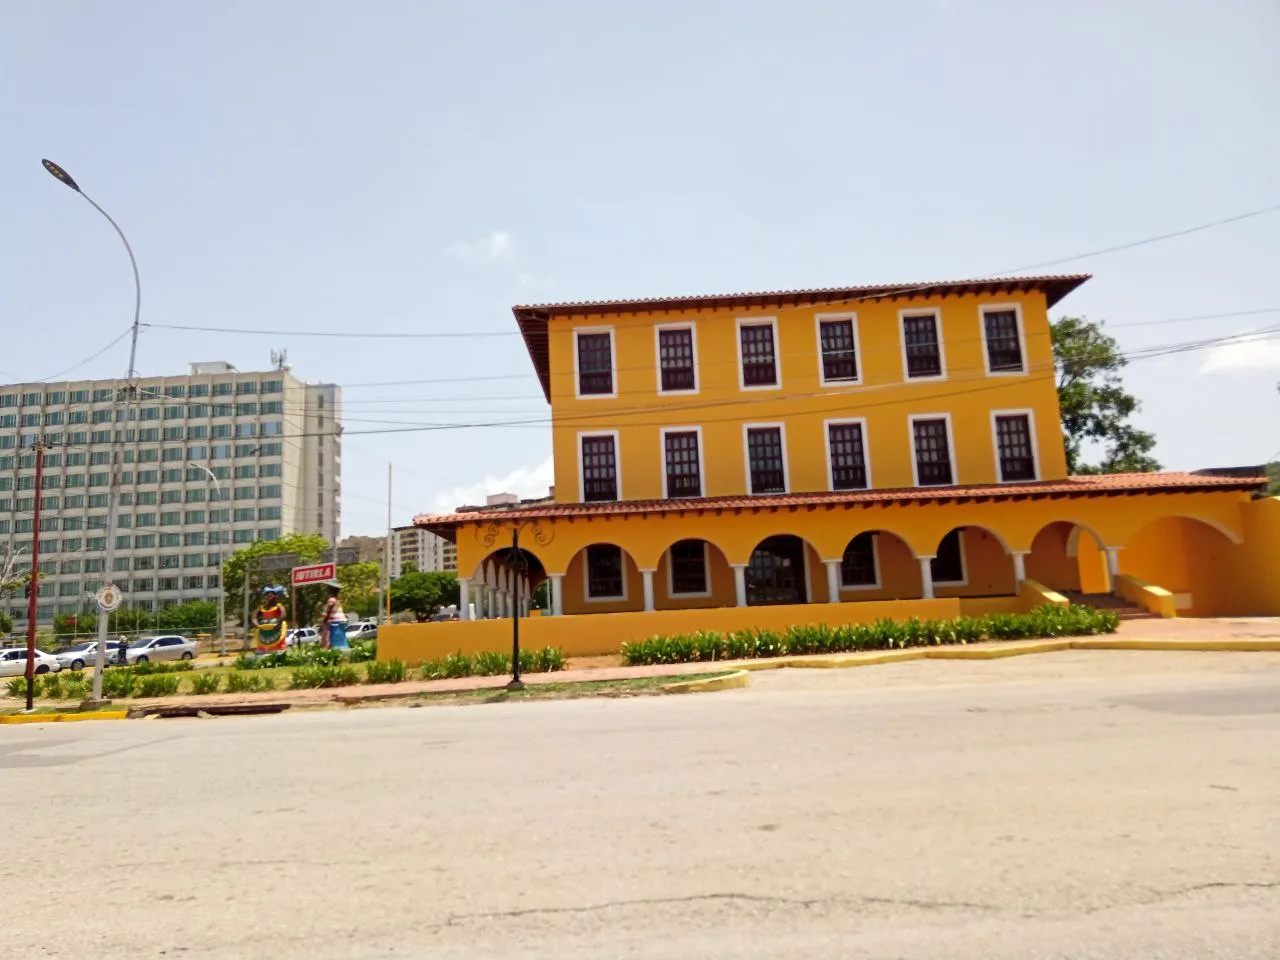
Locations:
(884, 397)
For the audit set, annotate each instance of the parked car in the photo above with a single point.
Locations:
(86, 654)
(362, 630)
(13, 662)
(171, 647)
(301, 636)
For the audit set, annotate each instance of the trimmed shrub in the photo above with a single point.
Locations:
(151, 667)
(320, 675)
(158, 685)
(75, 686)
(17, 688)
(492, 664)
(205, 682)
(238, 682)
(393, 671)
(1046, 621)
(118, 683)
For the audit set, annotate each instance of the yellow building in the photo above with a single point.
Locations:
(838, 454)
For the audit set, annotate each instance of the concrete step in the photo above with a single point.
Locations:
(1107, 601)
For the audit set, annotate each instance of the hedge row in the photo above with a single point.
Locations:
(1046, 621)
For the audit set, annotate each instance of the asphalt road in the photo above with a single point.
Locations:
(1077, 805)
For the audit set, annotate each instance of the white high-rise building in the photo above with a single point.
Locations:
(423, 549)
(209, 463)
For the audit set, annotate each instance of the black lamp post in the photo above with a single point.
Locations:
(518, 564)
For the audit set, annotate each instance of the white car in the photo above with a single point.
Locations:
(13, 662)
(171, 647)
(302, 636)
(362, 630)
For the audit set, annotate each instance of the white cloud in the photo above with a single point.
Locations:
(495, 246)
(1242, 355)
(523, 481)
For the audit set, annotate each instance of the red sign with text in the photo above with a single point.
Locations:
(316, 573)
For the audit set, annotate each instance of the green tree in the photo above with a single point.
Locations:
(192, 615)
(1094, 405)
(6, 625)
(308, 546)
(360, 583)
(422, 594)
(70, 624)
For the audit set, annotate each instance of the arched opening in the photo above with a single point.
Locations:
(878, 565)
(972, 561)
(778, 571)
(1069, 558)
(503, 584)
(1193, 560)
(693, 573)
(602, 578)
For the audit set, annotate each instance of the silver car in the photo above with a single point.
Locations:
(86, 655)
(168, 647)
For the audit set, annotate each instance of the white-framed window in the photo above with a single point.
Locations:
(848, 460)
(688, 569)
(765, 454)
(676, 350)
(923, 357)
(682, 469)
(947, 566)
(759, 365)
(1004, 347)
(838, 354)
(599, 467)
(1013, 435)
(604, 573)
(860, 565)
(595, 363)
(933, 450)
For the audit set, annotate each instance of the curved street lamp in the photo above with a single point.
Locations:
(113, 514)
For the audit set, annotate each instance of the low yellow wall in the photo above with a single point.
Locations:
(604, 633)
(1148, 596)
(1034, 594)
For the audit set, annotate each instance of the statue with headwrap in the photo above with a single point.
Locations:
(268, 621)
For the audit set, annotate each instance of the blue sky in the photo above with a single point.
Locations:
(419, 166)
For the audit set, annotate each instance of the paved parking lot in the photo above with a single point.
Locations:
(1081, 804)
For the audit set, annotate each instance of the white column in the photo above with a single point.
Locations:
(464, 598)
(647, 576)
(1019, 567)
(480, 597)
(1113, 560)
(833, 580)
(557, 594)
(740, 582)
(926, 578)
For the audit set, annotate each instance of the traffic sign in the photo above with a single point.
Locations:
(314, 573)
(341, 556)
(109, 598)
(277, 561)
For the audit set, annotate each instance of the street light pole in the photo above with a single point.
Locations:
(113, 513)
(222, 587)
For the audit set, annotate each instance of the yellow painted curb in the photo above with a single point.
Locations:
(1234, 644)
(732, 681)
(856, 659)
(995, 652)
(64, 717)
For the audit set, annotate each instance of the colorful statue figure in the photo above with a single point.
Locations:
(269, 621)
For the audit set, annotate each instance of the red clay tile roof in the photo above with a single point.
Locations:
(533, 318)
(1091, 486)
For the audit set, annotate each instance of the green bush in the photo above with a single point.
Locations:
(118, 683)
(249, 682)
(321, 675)
(159, 685)
(393, 671)
(75, 686)
(458, 665)
(307, 656)
(363, 651)
(205, 682)
(1046, 621)
(150, 667)
(491, 664)
(17, 688)
(49, 686)
(431, 670)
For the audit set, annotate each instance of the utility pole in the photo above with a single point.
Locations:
(34, 585)
(386, 553)
(129, 391)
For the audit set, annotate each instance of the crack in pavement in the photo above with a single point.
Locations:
(1161, 896)
(458, 919)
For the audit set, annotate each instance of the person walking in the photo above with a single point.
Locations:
(334, 624)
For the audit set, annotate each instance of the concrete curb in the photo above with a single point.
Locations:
(64, 717)
(1014, 649)
(1234, 644)
(732, 681)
